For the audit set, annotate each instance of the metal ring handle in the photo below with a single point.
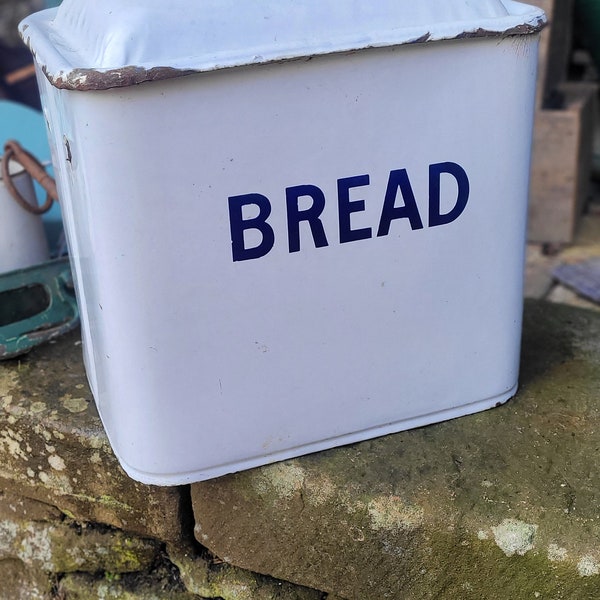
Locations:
(14, 151)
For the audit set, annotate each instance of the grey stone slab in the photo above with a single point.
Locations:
(53, 448)
(500, 504)
(583, 277)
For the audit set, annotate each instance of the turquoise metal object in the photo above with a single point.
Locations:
(37, 304)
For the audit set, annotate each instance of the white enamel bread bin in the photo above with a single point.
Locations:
(293, 224)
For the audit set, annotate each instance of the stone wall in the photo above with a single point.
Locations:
(501, 504)
(72, 524)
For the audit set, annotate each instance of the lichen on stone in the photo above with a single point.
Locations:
(8, 383)
(74, 405)
(56, 462)
(12, 445)
(38, 407)
(515, 537)
(392, 513)
(588, 566)
(284, 479)
(35, 547)
(319, 490)
(556, 553)
(8, 534)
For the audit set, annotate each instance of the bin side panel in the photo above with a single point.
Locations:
(369, 318)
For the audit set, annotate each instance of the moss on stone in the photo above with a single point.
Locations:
(505, 499)
(478, 570)
(220, 580)
(147, 587)
(59, 547)
(53, 447)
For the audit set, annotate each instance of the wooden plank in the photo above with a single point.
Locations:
(561, 165)
(555, 48)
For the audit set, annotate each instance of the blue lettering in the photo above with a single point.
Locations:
(346, 207)
(312, 214)
(399, 180)
(239, 225)
(435, 171)
(246, 229)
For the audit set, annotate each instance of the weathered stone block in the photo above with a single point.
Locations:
(38, 545)
(64, 548)
(18, 582)
(500, 504)
(53, 448)
(87, 587)
(230, 583)
(16, 508)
